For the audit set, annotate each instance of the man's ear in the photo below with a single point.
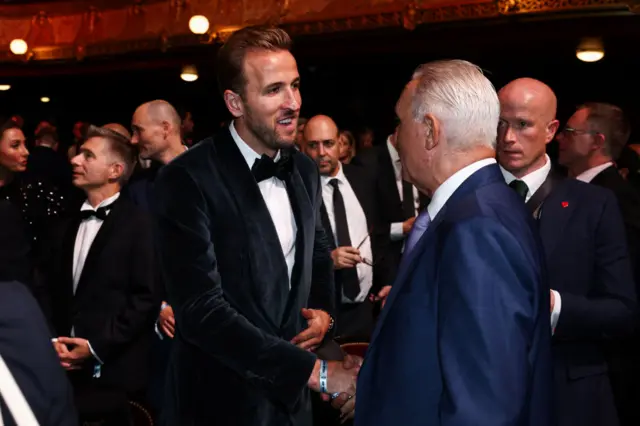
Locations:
(552, 129)
(432, 132)
(234, 104)
(116, 172)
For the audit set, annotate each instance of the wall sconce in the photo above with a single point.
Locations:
(199, 24)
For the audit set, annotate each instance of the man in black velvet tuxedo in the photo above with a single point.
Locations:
(99, 289)
(592, 290)
(590, 143)
(247, 260)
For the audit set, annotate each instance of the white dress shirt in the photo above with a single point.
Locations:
(588, 175)
(87, 232)
(395, 232)
(534, 181)
(357, 224)
(277, 200)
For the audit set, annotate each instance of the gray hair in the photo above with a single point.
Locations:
(462, 98)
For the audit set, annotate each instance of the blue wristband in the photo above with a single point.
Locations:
(324, 368)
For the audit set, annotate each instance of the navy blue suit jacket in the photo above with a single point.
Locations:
(464, 338)
(25, 345)
(583, 234)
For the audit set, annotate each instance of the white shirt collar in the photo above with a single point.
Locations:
(250, 156)
(87, 206)
(340, 176)
(588, 175)
(449, 186)
(534, 180)
(393, 152)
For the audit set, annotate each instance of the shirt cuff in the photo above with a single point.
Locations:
(395, 233)
(557, 307)
(155, 328)
(94, 353)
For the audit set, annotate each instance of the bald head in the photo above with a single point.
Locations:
(530, 94)
(321, 144)
(156, 131)
(320, 127)
(527, 124)
(116, 127)
(160, 111)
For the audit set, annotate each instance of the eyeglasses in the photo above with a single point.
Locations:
(572, 131)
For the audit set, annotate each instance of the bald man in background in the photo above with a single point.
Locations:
(591, 285)
(157, 132)
(349, 214)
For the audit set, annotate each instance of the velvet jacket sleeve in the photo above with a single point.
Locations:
(204, 318)
(609, 308)
(490, 300)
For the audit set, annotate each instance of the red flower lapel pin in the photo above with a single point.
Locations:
(565, 204)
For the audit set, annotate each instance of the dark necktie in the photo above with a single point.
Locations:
(350, 281)
(408, 203)
(520, 187)
(101, 213)
(265, 168)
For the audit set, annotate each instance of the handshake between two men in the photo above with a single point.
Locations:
(336, 380)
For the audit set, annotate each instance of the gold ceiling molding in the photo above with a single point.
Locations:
(71, 29)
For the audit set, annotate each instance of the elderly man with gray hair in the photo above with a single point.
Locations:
(464, 336)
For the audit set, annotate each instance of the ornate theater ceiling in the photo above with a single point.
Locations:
(57, 30)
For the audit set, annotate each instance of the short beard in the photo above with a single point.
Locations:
(266, 135)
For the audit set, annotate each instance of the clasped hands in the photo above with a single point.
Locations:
(341, 383)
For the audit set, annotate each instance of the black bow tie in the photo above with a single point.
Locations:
(101, 213)
(265, 168)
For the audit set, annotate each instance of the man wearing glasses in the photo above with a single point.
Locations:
(592, 288)
(590, 144)
(349, 213)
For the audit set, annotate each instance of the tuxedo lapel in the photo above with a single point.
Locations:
(301, 205)
(106, 233)
(267, 262)
(358, 184)
(388, 176)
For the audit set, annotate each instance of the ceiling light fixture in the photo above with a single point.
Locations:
(18, 46)
(199, 24)
(4, 87)
(44, 99)
(189, 73)
(590, 50)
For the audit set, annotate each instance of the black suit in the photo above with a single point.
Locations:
(363, 184)
(27, 350)
(624, 355)
(588, 263)
(114, 306)
(232, 363)
(378, 161)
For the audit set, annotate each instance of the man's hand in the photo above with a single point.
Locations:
(553, 300)
(62, 351)
(167, 321)
(79, 353)
(345, 257)
(381, 296)
(407, 225)
(318, 322)
(347, 406)
(341, 376)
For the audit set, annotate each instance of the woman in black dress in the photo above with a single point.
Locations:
(39, 201)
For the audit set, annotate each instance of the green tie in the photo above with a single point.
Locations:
(520, 187)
